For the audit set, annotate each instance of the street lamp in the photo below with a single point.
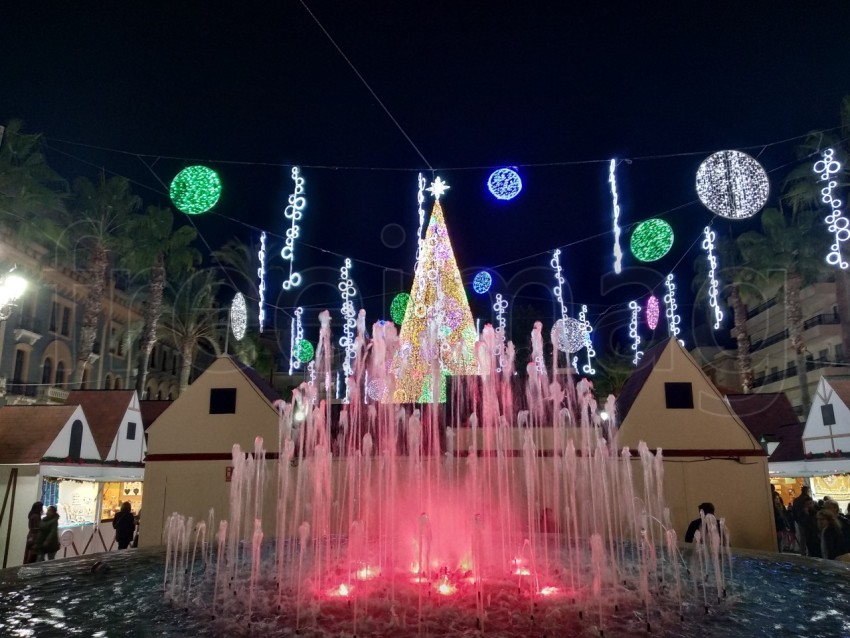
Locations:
(12, 286)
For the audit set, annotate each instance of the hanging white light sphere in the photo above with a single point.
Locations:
(732, 184)
(238, 316)
(574, 338)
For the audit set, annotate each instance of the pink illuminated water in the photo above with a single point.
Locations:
(513, 512)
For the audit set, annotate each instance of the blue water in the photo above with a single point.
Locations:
(771, 595)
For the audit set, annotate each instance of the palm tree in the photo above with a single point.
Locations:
(788, 253)
(28, 186)
(192, 318)
(99, 220)
(154, 250)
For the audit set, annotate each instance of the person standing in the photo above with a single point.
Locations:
(799, 508)
(47, 542)
(124, 524)
(831, 540)
(33, 524)
(705, 509)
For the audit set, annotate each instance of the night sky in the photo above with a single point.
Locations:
(551, 89)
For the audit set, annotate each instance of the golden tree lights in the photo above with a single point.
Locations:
(438, 332)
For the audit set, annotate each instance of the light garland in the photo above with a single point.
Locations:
(633, 332)
(305, 351)
(261, 286)
(732, 184)
(587, 368)
(673, 318)
(713, 287)
(653, 312)
(294, 212)
(420, 199)
(500, 307)
(438, 188)
(618, 252)
(481, 282)
(651, 240)
(347, 292)
(195, 189)
(555, 262)
(296, 334)
(504, 183)
(837, 223)
(238, 316)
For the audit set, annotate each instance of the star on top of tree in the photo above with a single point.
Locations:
(438, 187)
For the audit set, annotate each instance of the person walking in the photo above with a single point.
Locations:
(33, 524)
(47, 541)
(125, 525)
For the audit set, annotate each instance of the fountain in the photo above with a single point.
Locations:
(397, 519)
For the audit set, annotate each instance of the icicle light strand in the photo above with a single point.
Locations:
(261, 286)
(347, 292)
(713, 287)
(293, 212)
(500, 307)
(587, 368)
(618, 252)
(673, 318)
(633, 332)
(837, 223)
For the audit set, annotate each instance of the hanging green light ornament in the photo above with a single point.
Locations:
(398, 307)
(195, 189)
(305, 351)
(651, 240)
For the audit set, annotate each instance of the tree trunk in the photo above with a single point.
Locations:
(742, 336)
(151, 314)
(842, 297)
(795, 332)
(186, 351)
(92, 309)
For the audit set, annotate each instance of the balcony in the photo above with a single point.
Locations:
(23, 389)
(762, 307)
(791, 371)
(818, 320)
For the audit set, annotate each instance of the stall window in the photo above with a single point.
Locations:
(679, 396)
(131, 431)
(76, 444)
(827, 413)
(223, 401)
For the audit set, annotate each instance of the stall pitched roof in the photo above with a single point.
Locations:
(634, 384)
(28, 431)
(790, 446)
(105, 410)
(151, 411)
(254, 377)
(764, 414)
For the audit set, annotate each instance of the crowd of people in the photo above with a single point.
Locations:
(812, 528)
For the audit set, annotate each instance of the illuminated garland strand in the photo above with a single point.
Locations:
(588, 343)
(420, 241)
(837, 224)
(652, 312)
(559, 295)
(713, 288)
(296, 335)
(673, 318)
(618, 253)
(261, 273)
(346, 289)
(500, 307)
(294, 211)
(633, 332)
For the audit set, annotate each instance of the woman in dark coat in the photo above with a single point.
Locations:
(33, 524)
(47, 542)
(125, 525)
(831, 539)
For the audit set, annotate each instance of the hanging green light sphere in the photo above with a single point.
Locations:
(305, 351)
(195, 189)
(651, 240)
(399, 306)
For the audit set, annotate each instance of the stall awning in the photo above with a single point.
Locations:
(94, 472)
(806, 468)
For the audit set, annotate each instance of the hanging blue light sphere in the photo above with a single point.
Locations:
(504, 183)
(481, 282)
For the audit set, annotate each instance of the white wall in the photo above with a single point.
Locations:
(26, 493)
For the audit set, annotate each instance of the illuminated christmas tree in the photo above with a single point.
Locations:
(437, 332)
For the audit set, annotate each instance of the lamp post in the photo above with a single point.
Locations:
(12, 286)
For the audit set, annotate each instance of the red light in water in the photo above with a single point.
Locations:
(366, 573)
(549, 591)
(446, 588)
(522, 571)
(342, 591)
